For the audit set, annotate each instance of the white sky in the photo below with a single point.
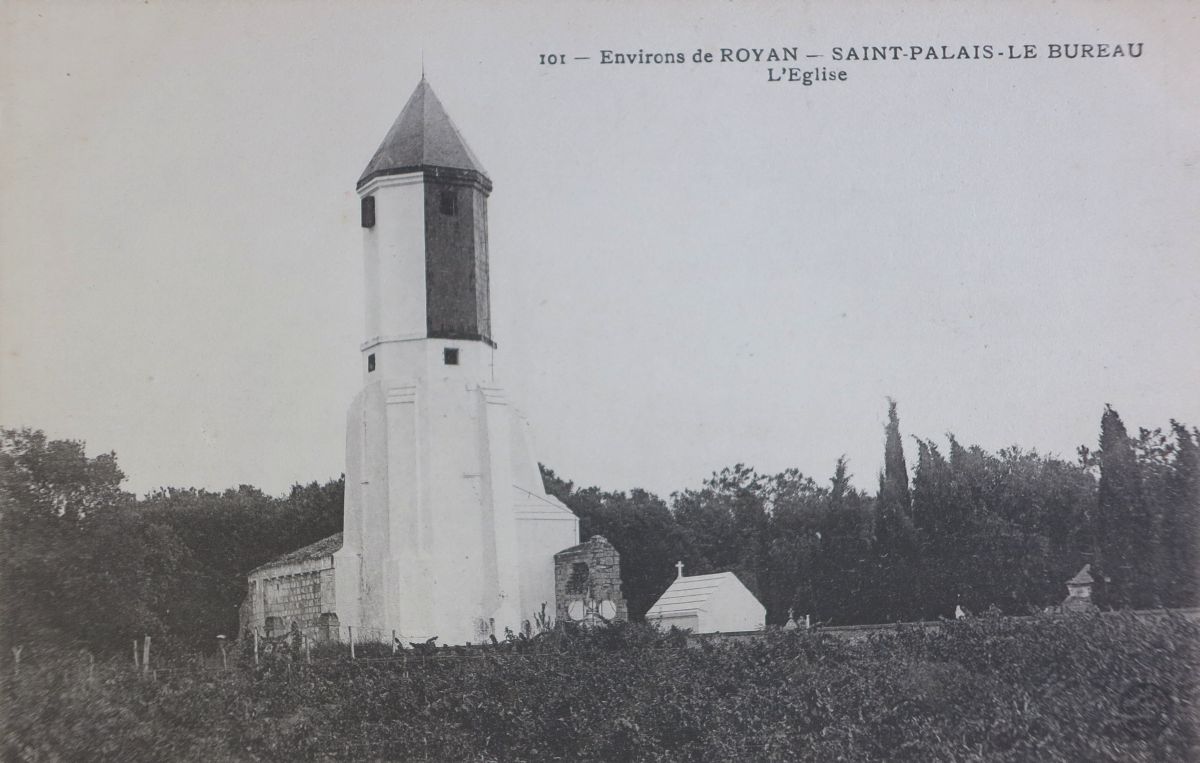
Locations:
(691, 266)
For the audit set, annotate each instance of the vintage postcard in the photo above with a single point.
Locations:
(599, 381)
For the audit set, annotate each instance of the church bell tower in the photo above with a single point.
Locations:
(448, 531)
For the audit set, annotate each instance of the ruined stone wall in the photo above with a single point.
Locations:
(587, 583)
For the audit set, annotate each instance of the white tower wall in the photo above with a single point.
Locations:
(448, 531)
(394, 259)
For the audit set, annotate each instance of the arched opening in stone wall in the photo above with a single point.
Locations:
(328, 627)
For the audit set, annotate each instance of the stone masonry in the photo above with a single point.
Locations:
(297, 589)
(587, 583)
(300, 597)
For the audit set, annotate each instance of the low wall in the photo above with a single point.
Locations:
(859, 632)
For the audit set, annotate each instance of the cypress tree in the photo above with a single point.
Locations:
(897, 587)
(895, 500)
(1181, 522)
(1126, 532)
(893, 486)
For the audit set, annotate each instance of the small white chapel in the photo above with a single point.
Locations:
(716, 603)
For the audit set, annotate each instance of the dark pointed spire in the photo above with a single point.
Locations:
(422, 137)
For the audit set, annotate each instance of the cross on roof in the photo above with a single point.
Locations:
(679, 567)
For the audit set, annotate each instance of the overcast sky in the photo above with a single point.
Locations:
(692, 266)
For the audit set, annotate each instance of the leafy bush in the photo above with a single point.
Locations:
(1111, 687)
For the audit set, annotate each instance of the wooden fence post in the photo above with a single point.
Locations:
(307, 651)
(256, 645)
(135, 655)
(351, 629)
(16, 650)
(146, 655)
(393, 642)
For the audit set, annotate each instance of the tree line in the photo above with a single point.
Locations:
(949, 525)
(960, 527)
(87, 563)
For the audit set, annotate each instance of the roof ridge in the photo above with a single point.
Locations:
(305, 553)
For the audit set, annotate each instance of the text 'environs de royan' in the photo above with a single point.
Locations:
(1023, 51)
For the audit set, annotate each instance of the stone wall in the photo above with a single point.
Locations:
(297, 593)
(587, 583)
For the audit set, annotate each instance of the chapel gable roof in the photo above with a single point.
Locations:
(1083, 577)
(530, 505)
(423, 136)
(319, 550)
(693, 593)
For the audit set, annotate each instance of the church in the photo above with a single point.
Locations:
(447, 530)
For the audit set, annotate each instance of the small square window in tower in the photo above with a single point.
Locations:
(370, 362)
(450, 356)
(368, 212)
(448, 203)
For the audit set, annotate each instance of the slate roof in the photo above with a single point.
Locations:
(690, 594)
(422, 136)
(322, 548)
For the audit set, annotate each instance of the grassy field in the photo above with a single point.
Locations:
(1083, 688)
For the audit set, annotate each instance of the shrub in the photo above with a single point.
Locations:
(1111, 687)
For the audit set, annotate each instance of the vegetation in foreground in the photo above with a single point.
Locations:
(1080, 688)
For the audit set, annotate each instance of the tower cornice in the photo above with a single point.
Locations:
(394, 180)
(448, 175)
(375, 341)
